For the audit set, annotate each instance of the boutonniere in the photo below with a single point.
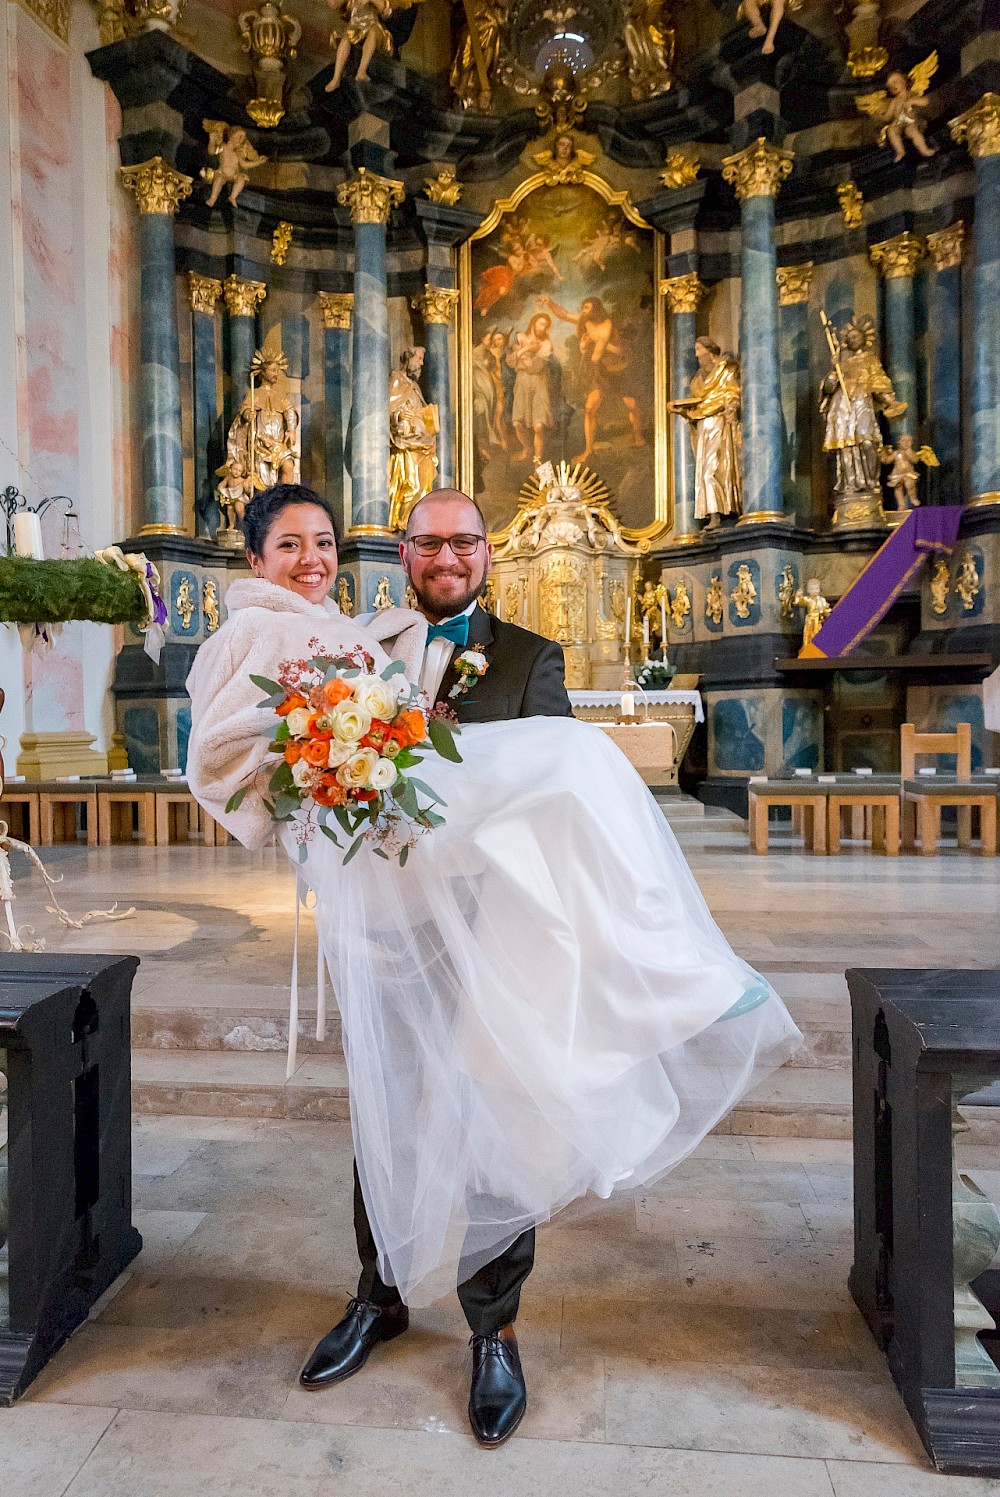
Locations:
(470, 665)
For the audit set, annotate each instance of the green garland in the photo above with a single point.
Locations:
(53, 592)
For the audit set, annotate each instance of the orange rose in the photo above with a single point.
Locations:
(315, 731)
(410, 727)
(289, 704)
(335, 691)
(316, 752)
(329, 793)
(364, 794)
(293, 752)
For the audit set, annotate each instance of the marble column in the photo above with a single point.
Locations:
(159, 190)
(371, 199)
(756, 174)
(979, 127)
(336, 308)
(794, 282)
(203, 295)
(684, 294)
(944, 338)
(242, 298)
(437, 310)
(897, 260)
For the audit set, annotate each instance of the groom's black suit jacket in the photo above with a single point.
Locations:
(525, 676)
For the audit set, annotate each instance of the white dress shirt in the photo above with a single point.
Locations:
(437, 657)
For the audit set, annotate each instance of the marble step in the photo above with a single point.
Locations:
(825, 1025)
(791, 1104)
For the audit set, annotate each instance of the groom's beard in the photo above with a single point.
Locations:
(444, 602)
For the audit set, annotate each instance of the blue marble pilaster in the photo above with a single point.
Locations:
(797, 406)
(337, 350)
(944, 347)
(986, 344)
(900, 337)
(160, 391)
(759, 356)
(206, 416)
(241, 345)
(370, 380)
(438, 336)
(682, 366)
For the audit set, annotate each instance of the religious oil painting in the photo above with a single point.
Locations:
(560, 358)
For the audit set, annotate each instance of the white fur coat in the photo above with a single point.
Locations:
(266, 625)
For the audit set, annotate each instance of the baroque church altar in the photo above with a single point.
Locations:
(698, 315)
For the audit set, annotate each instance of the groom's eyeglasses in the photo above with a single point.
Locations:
(461, 545)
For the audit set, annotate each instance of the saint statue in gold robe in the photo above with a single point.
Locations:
(413, 433)
(851, 396)
(262, 445)
(713, 410)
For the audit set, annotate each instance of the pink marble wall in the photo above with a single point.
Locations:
(123, 260)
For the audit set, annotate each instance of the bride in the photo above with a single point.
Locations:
(538, 1005)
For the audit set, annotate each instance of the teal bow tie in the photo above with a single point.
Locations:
(457, 630)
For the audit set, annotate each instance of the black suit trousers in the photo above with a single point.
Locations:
(490, 1298)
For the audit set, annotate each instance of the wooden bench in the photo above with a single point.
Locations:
(58, 806)
(925, 796)
(873, 806)
(113, 826)
(26, 802)
(807, 797)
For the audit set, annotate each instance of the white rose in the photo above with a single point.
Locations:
(355, 774)
(304, 774)
(383, 775)
(298, 721)
(339, 753)
(349, 721)
(377, 696)
(475, 658)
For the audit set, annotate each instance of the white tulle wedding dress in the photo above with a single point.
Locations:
(536, 1007)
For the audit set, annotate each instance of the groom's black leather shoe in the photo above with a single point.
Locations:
(498, 1397)
(345, 1350)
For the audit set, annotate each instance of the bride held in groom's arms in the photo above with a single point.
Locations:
(539, 1004)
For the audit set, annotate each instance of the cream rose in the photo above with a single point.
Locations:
(356, 773)
(377, 696)
(383, 775)
(305, 775)
(349, 721)
(298, 722)
(339, 753)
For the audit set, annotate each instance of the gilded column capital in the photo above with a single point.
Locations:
(436, 304)
(158, 188)
(897, 257)
(759, 170)
(336, 307)
(243, 297)
(794, 282)
(684, 293)
(851, 203)
(203, 292)
(945, 247)
(979, 127)
(371, 198)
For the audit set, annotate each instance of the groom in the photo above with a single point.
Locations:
(446, 555)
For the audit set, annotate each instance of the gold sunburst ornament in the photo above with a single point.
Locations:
(592, 490)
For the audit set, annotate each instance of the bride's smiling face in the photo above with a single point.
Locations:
(299, 552)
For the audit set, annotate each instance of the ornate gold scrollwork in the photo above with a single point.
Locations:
(759, 170)
(158, 188)
(369, 197)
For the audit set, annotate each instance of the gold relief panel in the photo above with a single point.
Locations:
(562, 267)
(680, 170)
(851, 204)
(444, 188)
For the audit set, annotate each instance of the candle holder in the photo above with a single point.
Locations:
(627, 715)
(13, 502)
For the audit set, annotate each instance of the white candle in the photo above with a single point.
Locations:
(28, 535)
(628, 624)
(663, 626)
(628, 704)
(498, 601)
(645, 630)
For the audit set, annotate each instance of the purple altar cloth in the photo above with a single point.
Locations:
(873, 593)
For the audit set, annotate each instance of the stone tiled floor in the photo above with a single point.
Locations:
(697, 1340)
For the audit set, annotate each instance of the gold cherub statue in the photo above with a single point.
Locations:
(751, 9)
(903, 474)
(896, 106)
(237, 158)
(817, 609)
(361, 23)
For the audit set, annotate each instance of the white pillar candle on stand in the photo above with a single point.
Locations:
(628, 704)
(663, 626)
(645, 632)
(28, 535)
(628, 626)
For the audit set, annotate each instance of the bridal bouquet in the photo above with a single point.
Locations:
(347, 737)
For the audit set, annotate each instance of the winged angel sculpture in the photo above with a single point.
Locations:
(237, 159)
(361, 23)
(897, 104)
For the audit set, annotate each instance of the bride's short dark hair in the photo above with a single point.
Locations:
(265, 507)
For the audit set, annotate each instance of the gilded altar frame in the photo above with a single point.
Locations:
(663, 500)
